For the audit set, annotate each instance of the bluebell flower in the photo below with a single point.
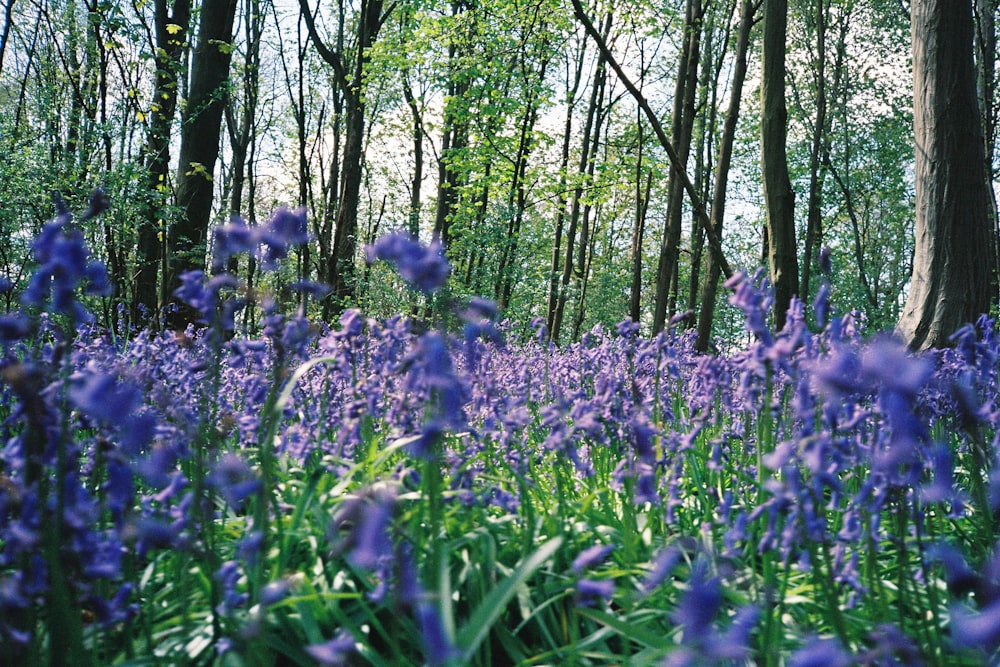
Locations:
(700, 604)
(154, 533)
(228, 575)
(825, 260)
(977, 629)
(249, 546)
(232, 239)
(64, 267)
(234, 479)
(274, 592)
(13, 327)
(103, 397)
(423, 267)
(820, 653)
(591, 557)
(335, 652)
(663, 564)
(97, 203)
(361, 529)
(284, 229)
(438, 647)
(591, 592)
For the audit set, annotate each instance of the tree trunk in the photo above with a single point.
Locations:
(814, 220)
(708, 294)
(685, 89)
(341, 271)
(169, 62)
(200, 134)
(779, 199)
(555, 267)
(593, 111)
(954, 278)
(986, 50)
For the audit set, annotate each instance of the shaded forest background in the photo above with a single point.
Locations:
(538, 153)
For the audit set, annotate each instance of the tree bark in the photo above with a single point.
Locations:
(200, 134)
(707, 312)
(682, 125)
(814, 221)
(779, 199)
(170, 48)
(954, 277)
(344, 249)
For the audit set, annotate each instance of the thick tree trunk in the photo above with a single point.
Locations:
(954, 278)
(779, 199)
(200, 134)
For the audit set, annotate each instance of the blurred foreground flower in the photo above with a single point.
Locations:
(424, 267)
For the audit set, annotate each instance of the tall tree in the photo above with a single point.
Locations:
(706, 314)
(348, 70)
(200, 134)
(170, 25)
(779, 198)
(685, 88)
(954, 277)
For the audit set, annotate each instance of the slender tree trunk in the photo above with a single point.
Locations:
(417, 138)
(454, 137)
(241, 123)
(169, 53)
(638, 228)
(8, 10)
(954, 277)
(779, 199)
(556, 264)
(200, 134)
(814, 228)
(593, 110)
(685, 91)
(344, 248)
(711, 284)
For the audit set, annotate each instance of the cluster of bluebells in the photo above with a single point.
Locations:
(811, 437)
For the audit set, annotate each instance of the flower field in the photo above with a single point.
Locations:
(388, 493)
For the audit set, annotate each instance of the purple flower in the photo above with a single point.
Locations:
(335, 652)
(820, 653)
(282, 230)
(663, 565)
(64, 266)
(438, 648)
(103, 397)
(13, 327)
(591, 557)
(274, 592)
(97, 204)
(590, 592)
(230, 240)
(424, 267)
(361, 529)
(977, 630)
(234, 479)
(699, 605)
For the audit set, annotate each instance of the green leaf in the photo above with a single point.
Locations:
(489, 610)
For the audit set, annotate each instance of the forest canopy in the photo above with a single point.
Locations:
(581, 162)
